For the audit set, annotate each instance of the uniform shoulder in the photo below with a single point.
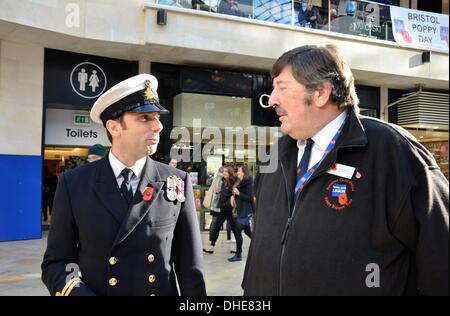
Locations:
(82, 171)
(167, 171)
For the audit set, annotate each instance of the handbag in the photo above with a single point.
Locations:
(208, 198)
(244, 221)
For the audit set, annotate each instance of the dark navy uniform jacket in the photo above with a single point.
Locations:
(384, 231)
(144, 250)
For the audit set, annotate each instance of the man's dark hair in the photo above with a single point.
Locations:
(313, 66)
(121, 122)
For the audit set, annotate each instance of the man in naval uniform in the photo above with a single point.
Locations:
(126, 224)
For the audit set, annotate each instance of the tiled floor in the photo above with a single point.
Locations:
(20, 271)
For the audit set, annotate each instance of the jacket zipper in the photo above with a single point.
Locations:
(288, 225)
(283, 242)
(283, 238)
(291, 215)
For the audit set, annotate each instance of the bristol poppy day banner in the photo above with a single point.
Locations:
(420, 29)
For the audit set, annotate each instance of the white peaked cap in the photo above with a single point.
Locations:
(120, 91)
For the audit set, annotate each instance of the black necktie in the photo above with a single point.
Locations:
(303, 165)
(125, 187)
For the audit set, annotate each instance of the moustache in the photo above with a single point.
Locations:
(279, 111)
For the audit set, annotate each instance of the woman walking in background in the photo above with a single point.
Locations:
(212, 200)
(243, 202)
(225, 207)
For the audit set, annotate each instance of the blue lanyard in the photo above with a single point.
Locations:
(301, 184)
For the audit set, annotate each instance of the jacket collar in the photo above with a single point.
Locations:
(245, 182)
(140, 207)
(352, 135)
(108, 191)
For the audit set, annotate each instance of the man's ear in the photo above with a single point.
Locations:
(322, 96)
(113, 128)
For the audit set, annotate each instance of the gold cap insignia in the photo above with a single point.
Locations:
(149, 94)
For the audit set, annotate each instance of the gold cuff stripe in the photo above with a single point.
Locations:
(66, 287)
(69, 290)
(64, 290)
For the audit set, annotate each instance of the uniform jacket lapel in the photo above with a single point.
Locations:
(140, 208)
(108, 191)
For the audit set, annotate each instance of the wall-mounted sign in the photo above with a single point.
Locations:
(88, 80)
(75, 81)
(420, 29)
(73, 128)
(81, 119)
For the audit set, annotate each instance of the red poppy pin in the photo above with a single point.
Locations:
(147, 194)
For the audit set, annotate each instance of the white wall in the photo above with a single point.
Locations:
(21, 97)
(118, 21)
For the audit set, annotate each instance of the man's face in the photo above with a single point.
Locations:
(173, 163)
(139, 133)
(290, 99)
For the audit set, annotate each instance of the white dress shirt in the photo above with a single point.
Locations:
(321, 140)
(117, 167)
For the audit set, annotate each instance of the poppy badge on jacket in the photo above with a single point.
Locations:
(339, 194)
(147, 193)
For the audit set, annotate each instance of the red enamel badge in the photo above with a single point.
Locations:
(147, 194)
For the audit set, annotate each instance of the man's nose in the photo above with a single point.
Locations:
(157, 126)
(273, 99)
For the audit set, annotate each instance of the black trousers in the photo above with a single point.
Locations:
(238, 235)
(221, 218)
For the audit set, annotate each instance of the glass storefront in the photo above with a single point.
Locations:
(437, 142)
(361, 18)
(57, 159)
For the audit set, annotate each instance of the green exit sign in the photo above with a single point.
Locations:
(81, 119)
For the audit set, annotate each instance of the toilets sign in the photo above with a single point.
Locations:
(88, 80)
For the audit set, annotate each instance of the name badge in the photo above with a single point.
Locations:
(342, 171)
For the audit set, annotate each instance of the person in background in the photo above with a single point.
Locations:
(301, 13)
(96, 152)
(200, 5)
(312, 17)
(173, 163)
(244, 208)
(225, 207)
(213, 203)
(49, 183)
(230, 7)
